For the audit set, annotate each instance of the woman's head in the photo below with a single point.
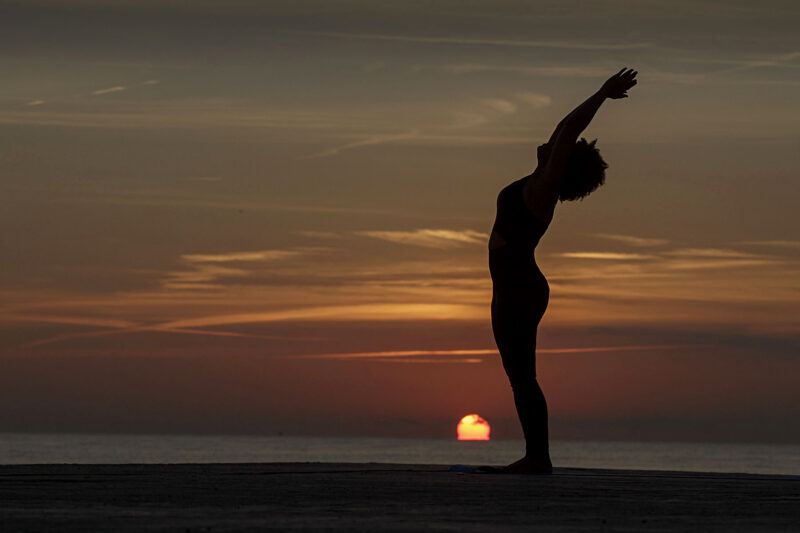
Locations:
(585, 171)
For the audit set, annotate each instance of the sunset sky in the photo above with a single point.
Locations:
(271, 217)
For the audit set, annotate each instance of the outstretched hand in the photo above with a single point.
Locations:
(617, 85)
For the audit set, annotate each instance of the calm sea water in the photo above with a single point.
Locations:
(86, 448)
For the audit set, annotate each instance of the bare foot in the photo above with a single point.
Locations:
(527, 465)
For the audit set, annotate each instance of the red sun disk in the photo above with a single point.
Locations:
(473, 427)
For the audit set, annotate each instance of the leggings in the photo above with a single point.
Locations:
(520, 297)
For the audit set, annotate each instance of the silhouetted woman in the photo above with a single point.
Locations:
(568, 169)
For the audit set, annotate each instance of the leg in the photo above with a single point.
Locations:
(532, 411)
(515, 335)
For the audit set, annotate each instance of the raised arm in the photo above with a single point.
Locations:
(566, 134)
(577, 121)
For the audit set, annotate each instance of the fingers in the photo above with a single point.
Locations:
(618, 84)
(628, 78)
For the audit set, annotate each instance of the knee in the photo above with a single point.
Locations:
(521, 373)
(523, 383)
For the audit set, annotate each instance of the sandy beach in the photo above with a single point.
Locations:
(384, 497)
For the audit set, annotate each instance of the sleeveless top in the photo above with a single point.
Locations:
(515, 223)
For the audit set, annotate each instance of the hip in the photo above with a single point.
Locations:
(519, 275)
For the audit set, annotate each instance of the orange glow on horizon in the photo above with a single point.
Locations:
(473, 427)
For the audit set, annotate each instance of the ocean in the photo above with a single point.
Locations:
(44, 448)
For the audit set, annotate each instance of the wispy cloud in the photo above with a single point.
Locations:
(184, 198)
(201, 277)
(70, 320)
(369, 141)
(613, 256)
(396, 353)
(632, 240)
(485, 110)
(568, 71)
(263, 255)
(777, 244)
(475, 352)
(120, 327)
(342, 129)
(710, 252)
(536, 100)
(430, 238)
(676, 76)
(420, 360)
(697, 263)
(573, 45)
(115, 89)
(498, 104)
(374, 312)
(319, 234)
(784, 60)
(556, 71)
(205, 270)
(202, 112)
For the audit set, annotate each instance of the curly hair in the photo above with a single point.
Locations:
(585, 171)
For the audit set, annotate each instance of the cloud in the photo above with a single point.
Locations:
(34, 103)
(613, 256)
(555, 71)
(473, 352)
(118, 327)
(423, 361)
(699, 263)
(319, 234)
(631, 240)
(71, 320)
(652, 74)
(710, 252)
(352, 127)
(785, 60)
(471, 114)
(204, 274)
(150, 82)
(396, 353)
(371, 312)
(498, 104)
(429, 238)
(777, 244)
(263, 255)
(191, 198)
(200, 277)
(114, 89)
(536, 100)
(573, 45)
(369, 141)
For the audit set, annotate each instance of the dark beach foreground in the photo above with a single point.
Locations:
(382, 497)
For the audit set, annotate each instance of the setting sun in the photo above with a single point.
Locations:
(473, 427)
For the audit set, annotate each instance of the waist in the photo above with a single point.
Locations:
(514, 262)
(515, 251)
